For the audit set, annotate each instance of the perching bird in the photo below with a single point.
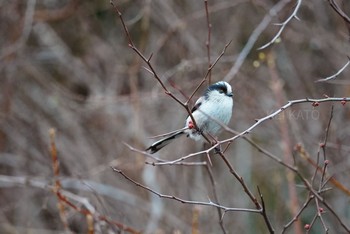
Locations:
(210, 112)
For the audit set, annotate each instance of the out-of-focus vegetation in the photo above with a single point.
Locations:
(67, 65)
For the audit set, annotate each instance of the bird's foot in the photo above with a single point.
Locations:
(217, 149)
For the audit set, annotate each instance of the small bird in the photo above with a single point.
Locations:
(210, 112)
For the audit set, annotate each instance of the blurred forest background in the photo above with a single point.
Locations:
(67, 65)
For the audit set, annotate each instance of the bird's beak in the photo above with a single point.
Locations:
(230, 94)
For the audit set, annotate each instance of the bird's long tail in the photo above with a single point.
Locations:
(163, 142)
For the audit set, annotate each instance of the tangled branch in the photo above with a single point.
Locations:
(314, 194)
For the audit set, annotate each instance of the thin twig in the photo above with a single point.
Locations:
(159, 162)
(207, 43)
(319, 211)
(324, 144)
(316, 167)
(295, 218)
(311, 224)
(331, 77)
(264, 214)
(216, 199)
(322, 176)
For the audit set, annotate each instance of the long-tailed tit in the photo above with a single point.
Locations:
(210, 112)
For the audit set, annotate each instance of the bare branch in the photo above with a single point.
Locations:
(160, 162)
(283, 25)
(324, 144)
(210, 203)
(267, 221)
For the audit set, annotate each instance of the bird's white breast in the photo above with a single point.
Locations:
(216, 109)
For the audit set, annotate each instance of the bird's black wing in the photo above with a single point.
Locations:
(197, 105)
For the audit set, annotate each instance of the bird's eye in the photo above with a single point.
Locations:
(221, 91)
